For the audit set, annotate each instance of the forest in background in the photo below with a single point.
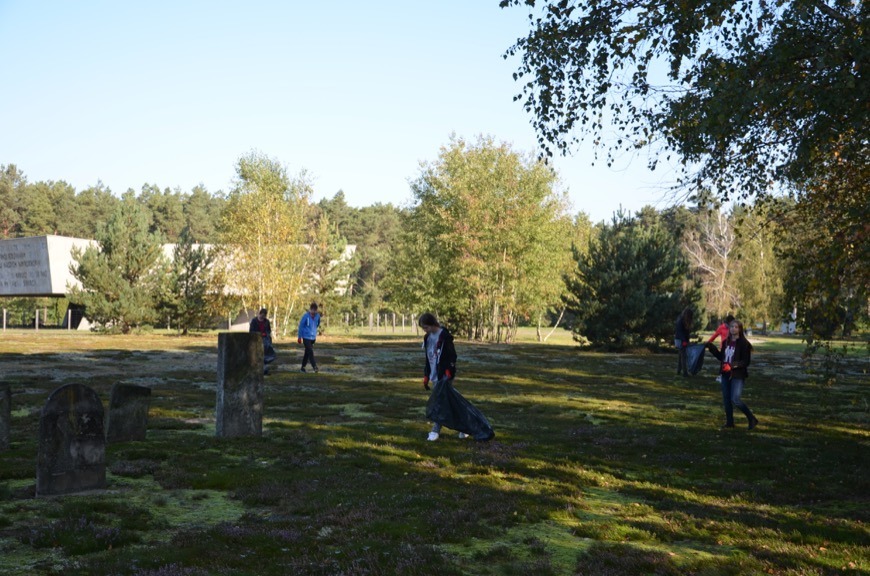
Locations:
(488, 241)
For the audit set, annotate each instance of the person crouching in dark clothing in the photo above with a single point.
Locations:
(260, 325)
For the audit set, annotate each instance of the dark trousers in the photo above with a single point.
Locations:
(682, 358)
(309, 353)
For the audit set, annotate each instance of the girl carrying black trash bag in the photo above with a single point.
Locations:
(446, 406)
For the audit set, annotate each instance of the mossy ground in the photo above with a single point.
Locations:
(602, 464)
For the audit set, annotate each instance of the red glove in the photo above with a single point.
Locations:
(425, 382)
(685, 343)
(447, 374)
(299, 340)
(726, 367)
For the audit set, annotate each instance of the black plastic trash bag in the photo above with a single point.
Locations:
(269, 354)
(449, 408)
(695, 357)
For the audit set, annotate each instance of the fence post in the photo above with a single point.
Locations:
(69, 319)
(36, 324)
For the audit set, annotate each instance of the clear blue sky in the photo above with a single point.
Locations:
(172, 93)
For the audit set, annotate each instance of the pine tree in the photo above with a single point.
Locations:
(189, 283)
(121, 276)
(629, 288)
(330, 269)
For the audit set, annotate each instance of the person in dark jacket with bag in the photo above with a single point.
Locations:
(682, 334)
(260, 325)
(446, 406)
(735, 356)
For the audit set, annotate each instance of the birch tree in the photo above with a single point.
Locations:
(263, 256)
(495, 232)
(710, 247)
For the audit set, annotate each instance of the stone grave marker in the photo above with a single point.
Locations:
(128, 413)
(72, 443)
(5, 415)
(239, 409)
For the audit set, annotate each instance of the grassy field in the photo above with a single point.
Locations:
(602, 464)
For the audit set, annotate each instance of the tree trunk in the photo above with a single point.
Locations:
(558, 320)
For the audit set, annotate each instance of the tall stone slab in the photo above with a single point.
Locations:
(128, 413)
(72, 442)
(239, 409)
(5, 415)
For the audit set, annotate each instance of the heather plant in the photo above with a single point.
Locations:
(603, 463)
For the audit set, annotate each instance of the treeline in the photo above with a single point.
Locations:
(487, 242)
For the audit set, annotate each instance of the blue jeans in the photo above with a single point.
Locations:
(732, 388)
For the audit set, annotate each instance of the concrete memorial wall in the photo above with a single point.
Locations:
(38, 266)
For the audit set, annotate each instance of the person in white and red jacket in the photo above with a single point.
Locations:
(722, 332)
(735, 356)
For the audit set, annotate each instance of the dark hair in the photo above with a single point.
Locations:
(687, 317)
(428, 319)
(729, 319)
(263, 311)
(740, 333)
(313, 306)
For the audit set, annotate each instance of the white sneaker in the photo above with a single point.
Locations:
(463, 435)
(433, 436)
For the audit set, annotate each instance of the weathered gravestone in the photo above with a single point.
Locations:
(128, 413)
(72, 443)
(5, 414)
(240, 385)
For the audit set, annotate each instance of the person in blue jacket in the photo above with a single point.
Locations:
(307, 334)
